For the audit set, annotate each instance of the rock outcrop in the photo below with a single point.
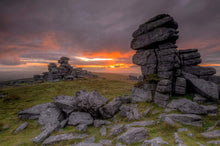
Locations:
(64, 72)
(172, 71)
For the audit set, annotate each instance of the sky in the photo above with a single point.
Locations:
(96, 34)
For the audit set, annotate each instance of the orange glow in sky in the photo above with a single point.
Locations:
(94, 59)
(205, 65)
(112, 66)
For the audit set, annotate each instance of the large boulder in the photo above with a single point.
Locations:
(186, 119)
(33, 112)
(140, 95)
(156, 36)
(51, 115)
(67, 104)
(203, 87)
(186, 106)
(116, 130)
(134, 135)
(111, 108)
(90, 101)
(77, 118)
(163, 20)
(129, 111)
(161, 99)
(143, 57)
(199, 71)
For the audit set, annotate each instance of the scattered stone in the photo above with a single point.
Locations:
(200, 144)
(103, 131)
(100, 123)
(120, 144)
(145, 113)
(190, 135)
(63, 137)
(155, 112)
(186, 119)
(140, 95)
(88, 144)
(141, 123)
(21, 127)
(67, 104)
(34, 112)
(45, 133)
(90, 139)
(186, 106)
(211, 134)
(111, 108)
(156, 141)
(178, 140)
(82, 127)
(116, 130)
(182, 129)
(106, 142)
(216, 142)
(90, 101)
(77, 118)
(134, 135)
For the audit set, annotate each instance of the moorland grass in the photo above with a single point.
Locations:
(109, 85)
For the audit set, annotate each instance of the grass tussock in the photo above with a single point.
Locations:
(149, 79)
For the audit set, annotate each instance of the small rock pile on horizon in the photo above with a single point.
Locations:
(64, 72)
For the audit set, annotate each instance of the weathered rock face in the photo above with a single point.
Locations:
(78, 118)
(177, 70)
(64, 72)
(34, 112)
(186, 119)
(134, 135)
(157, 53)
(90, 101)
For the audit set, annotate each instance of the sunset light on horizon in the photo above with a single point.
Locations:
(32, 35)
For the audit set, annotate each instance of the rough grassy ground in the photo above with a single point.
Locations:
(111, 85)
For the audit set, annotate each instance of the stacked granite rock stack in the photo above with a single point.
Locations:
(64, 72)
(157, 53)
(178, 71)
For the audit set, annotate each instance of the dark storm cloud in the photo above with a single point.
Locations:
(47, 28)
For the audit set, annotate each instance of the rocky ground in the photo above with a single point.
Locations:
(144, 123)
